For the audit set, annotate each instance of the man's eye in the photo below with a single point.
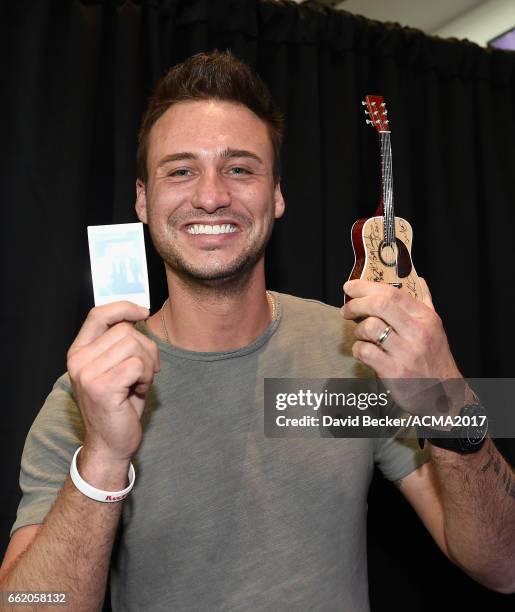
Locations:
(179, 173)
(238, 170)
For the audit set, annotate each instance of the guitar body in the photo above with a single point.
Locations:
(376, 261)
(382, 243)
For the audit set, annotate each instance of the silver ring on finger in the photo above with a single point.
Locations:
(383, 335)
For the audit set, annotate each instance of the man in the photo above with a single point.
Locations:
(221, 517)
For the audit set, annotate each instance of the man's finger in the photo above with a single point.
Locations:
(380, 306)
(100, 345)
(371, 329)
(120, 351)
(101, 318)
(374, 357)
(361, 288)
(129, 373)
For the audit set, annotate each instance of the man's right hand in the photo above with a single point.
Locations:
(111, 366)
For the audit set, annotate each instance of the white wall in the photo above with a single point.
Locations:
(482, 23)
(477, 20)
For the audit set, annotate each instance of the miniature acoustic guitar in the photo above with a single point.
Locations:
(382, 243)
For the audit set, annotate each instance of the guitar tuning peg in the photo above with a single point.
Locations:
(383, 104)
(363, 102)
(367, 113)
(385, 112)
(368, 121)
(387, 122)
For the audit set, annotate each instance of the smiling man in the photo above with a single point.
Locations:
(212, 206)
(210, 193)
(221, 517)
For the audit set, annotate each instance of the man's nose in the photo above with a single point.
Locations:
(211, 193)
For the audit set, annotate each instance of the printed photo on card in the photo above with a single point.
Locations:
(118, 263)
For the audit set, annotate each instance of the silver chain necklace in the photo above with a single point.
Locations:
(270, 298)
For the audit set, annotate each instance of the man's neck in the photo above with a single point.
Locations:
(212, 319)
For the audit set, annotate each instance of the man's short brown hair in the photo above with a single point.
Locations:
(216, 75)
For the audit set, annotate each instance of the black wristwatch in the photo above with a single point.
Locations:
(467, 437)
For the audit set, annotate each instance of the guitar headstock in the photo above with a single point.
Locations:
(376, 112)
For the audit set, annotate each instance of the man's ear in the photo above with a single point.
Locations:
(278, 201)
(141, 201)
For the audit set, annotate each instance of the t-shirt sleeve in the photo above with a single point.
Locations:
(397, 456)
(55, 435)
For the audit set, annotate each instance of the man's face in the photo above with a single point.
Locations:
(210, 199)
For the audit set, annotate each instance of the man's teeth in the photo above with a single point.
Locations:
(211, 229)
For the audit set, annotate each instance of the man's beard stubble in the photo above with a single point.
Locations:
(230, 277)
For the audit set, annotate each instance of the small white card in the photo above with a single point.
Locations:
(118, 263)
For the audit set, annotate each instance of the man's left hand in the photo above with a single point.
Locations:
(415, 347)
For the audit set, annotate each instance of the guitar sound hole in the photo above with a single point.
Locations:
(388, 254)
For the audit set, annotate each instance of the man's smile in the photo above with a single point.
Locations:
(198, 228)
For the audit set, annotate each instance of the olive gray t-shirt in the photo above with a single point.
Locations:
(222, 518)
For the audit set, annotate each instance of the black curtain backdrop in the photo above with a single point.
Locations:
(75, 81)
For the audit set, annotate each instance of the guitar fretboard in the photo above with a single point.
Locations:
(387, 188)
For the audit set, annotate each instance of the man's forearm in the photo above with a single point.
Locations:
(478, 495)
(72, 550)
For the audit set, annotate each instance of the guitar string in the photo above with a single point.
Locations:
(396, 250)
(386, 155)
(388, 191)
(386, 229)
(383, 184)
(390, 197)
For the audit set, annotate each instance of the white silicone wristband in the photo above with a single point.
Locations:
(98, 494)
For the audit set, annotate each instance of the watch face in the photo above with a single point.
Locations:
(475, 424)
(476, 434)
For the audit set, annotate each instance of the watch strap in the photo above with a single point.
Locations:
(458, 445)
(455, 440)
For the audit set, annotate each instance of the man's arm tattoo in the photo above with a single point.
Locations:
(508, 481)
